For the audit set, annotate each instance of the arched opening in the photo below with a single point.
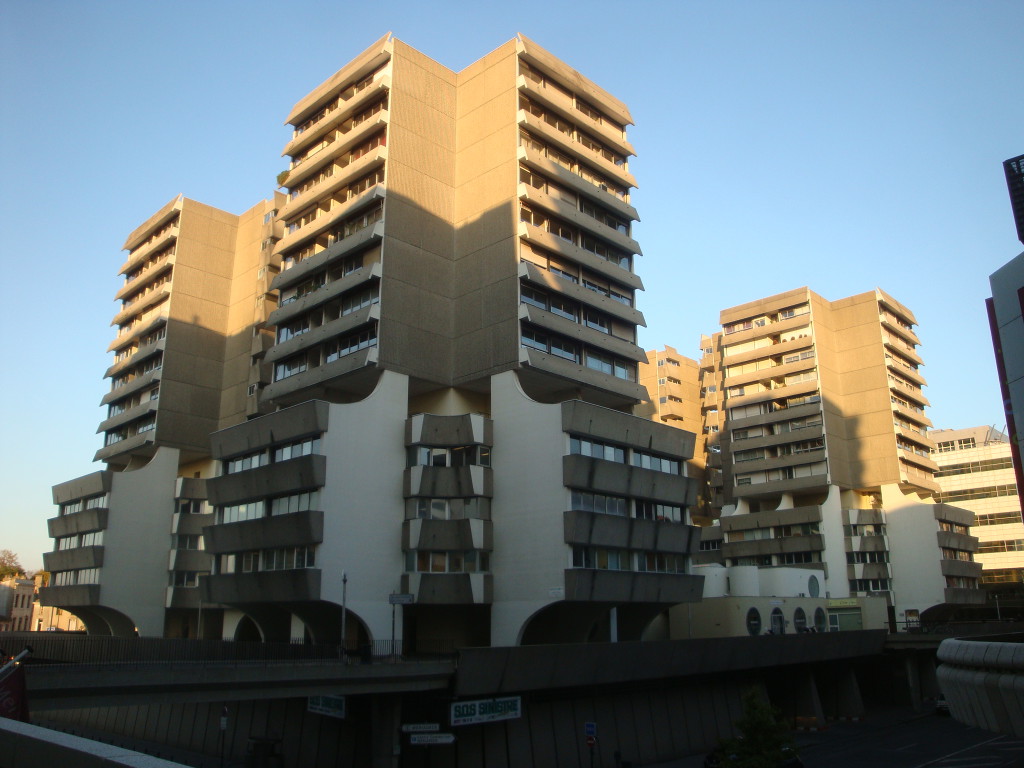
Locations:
(248, 631)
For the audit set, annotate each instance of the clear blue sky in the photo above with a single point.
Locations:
(839, 145)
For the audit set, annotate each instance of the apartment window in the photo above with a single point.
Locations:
(970, 467)
(797, 558)
(654, 510)
(346, 345)
(597, 449)
(612, 366)
(292, 329)
(292, 450)
(864, 529)
(456, 456)
(870, 585)
(714, 545)
(857, 558)
(988, 492)
(186, 541)
(235, 513)
(245, 463)
(191, 506)
(296, 502)
(467, 561)
(290, 367)
(601, 558)
(80, 576)
(597, 502)
(1006, 545)
(655, 462)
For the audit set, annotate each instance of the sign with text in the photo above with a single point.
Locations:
(432, 738)
(421, 727)
(487, 710)
(332, 706)
(396, 598)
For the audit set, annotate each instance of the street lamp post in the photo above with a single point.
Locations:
(344, 610)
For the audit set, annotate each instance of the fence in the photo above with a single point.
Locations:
(58, 647)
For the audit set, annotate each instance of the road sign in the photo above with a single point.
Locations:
(332, 706)
(420, 727)
(591, 741)
(401, 599)
(590, 729)
(432, 738)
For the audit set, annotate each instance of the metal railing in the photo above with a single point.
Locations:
(64, 648)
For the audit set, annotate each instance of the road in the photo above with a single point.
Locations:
(900, 739)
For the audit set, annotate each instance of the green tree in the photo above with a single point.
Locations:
(10, 565)
(765, 740)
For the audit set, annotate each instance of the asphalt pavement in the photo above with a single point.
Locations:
(897, 738)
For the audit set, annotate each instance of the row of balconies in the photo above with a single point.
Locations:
(570, 145)
(561, 102)
(339, 211)
(380, 84)
(536, 160)
(138, 257)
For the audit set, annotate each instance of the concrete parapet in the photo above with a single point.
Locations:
(983, 681)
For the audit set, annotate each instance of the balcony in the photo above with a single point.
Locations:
(138, 331)
(449, 588)
(129, 415)
(132, 444)
(564, 104)
(551, 282)
(325, 220)
(289, 586)
(302, 473)
(342, 375)
(73, 559)
(354, 104)
(626, 480)
(560, 246)
(811, 483)
(341, 145)
(150, 274)
(595, 585)
(582, 221)
(581, 333)
(325, 332)
(140, 254)
(563, 176)
(774, 546)
(94, 519)
(321, 191)
(70, 596)
(336, 251)
(144, 352)
(144, 303)
(574, 374)
(775, 349)
(601, 530)
(769, 329)
(771, 373)
(448, 482)
(138, 383)
(291, 530)
(891, 323)
(551, 135)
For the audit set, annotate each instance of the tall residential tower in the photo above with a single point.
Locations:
(446, 367)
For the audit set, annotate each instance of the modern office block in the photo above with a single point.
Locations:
(432, 399)
(1014, 170)
(976, 473)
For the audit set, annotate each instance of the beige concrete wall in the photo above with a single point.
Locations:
(486, 174)
(416, 308)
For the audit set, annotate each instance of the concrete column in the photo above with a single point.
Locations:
(386, 738)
